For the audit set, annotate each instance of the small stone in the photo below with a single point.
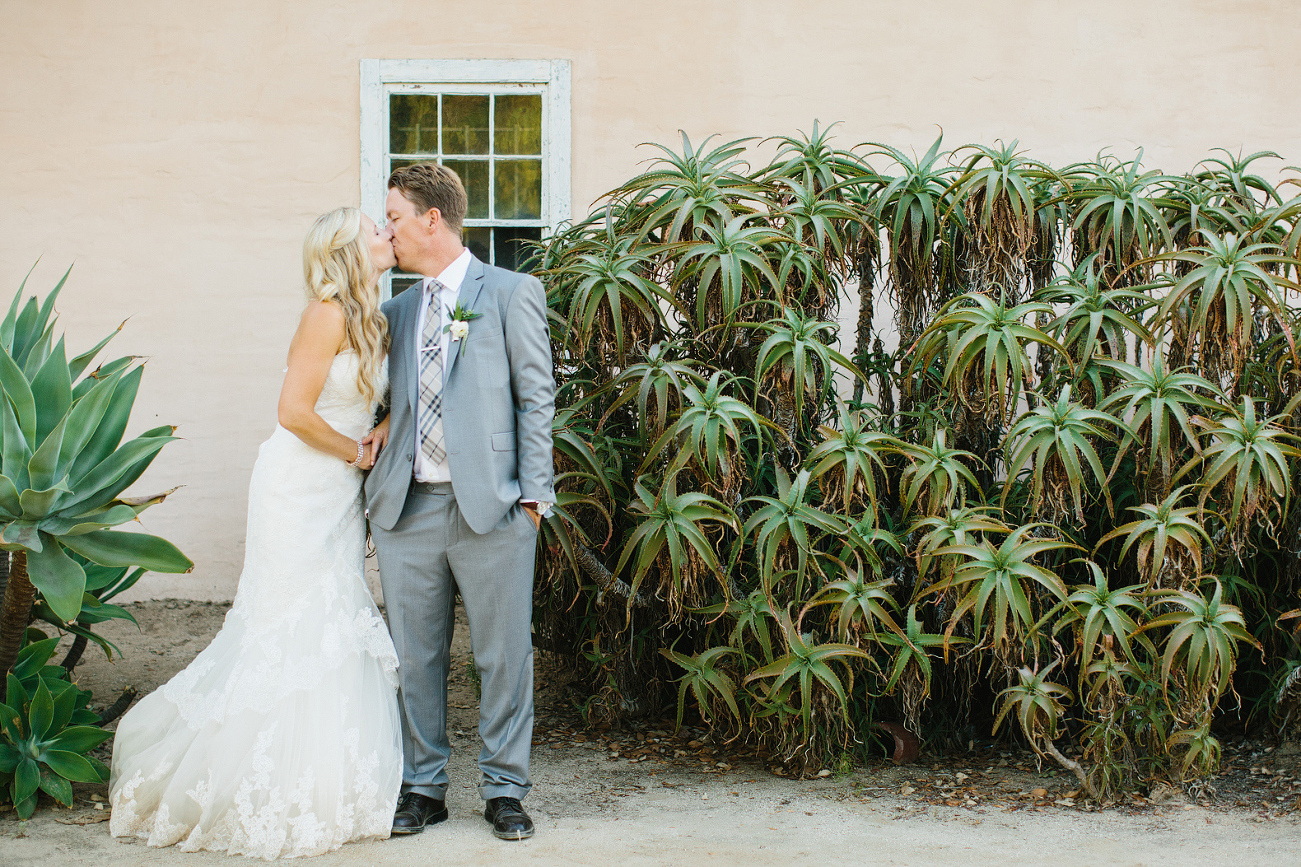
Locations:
(824, 773)
(99, 806)
(906, 790)
(1039, 793)
(960, 777)
(97, 797)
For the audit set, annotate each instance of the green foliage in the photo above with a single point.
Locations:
(64, 470)
(805, 539)
(63, 465)
(45, 731)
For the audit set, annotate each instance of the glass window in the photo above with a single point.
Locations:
(493, 141)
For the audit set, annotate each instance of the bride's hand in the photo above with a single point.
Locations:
(377, 438)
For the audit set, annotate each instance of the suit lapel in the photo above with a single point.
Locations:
(471, 286)
(404, 340)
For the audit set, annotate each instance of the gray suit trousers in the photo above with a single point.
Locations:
(428, 556)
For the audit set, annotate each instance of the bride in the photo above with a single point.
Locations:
(282, 737)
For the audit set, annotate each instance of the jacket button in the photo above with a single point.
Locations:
(408, 456)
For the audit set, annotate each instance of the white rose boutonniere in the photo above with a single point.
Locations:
(459, 325)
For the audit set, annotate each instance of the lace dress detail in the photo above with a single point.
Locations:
(282, 737)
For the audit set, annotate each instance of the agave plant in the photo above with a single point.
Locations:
(63, 469)
(40, 750)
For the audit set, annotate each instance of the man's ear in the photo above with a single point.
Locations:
(432, 218)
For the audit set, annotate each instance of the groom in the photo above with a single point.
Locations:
(457, 493)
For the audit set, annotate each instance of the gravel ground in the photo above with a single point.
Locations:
(643, 794)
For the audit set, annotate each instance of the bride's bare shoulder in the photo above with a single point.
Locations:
(321, 327)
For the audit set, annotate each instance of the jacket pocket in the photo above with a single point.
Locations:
(504, 441)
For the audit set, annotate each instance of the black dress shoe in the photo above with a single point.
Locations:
(415, 811)
(509, 821)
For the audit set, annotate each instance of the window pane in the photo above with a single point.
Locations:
(465, 124)
(517, 123)
(394, 165)
(413, 123)
(510, 249)
(478, 239)
(519, 189)
(474, 177)
(403, 283)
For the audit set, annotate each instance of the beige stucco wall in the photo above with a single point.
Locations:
(176, 151)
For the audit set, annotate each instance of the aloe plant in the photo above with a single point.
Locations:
(986, 344)
(807, 665)
(1056, 443)
(735, 470)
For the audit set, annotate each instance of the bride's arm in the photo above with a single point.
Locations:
(319, 337)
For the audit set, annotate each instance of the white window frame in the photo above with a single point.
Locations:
(551, 78)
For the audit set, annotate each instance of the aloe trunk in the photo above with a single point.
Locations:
(16, 609)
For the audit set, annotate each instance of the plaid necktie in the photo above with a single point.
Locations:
(431, 378)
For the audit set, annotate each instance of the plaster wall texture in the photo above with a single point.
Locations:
(177, 152)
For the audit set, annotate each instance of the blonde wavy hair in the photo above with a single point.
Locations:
(337, 267)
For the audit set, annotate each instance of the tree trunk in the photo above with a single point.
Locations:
(4, 572)
(16, 609)
(74, 654)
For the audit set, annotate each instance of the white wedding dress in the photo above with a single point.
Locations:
(282, 737)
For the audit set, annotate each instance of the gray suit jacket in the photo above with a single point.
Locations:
(498, 402)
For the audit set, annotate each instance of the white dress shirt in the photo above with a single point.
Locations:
(451, 277)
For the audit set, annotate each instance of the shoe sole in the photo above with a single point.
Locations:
(518, 835)
(432, 820)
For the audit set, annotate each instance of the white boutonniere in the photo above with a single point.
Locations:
(459, 324)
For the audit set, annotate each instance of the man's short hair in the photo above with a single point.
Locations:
(430, 185)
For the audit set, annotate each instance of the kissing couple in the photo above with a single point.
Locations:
(306, 723)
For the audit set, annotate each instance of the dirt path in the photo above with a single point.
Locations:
(642, 797)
